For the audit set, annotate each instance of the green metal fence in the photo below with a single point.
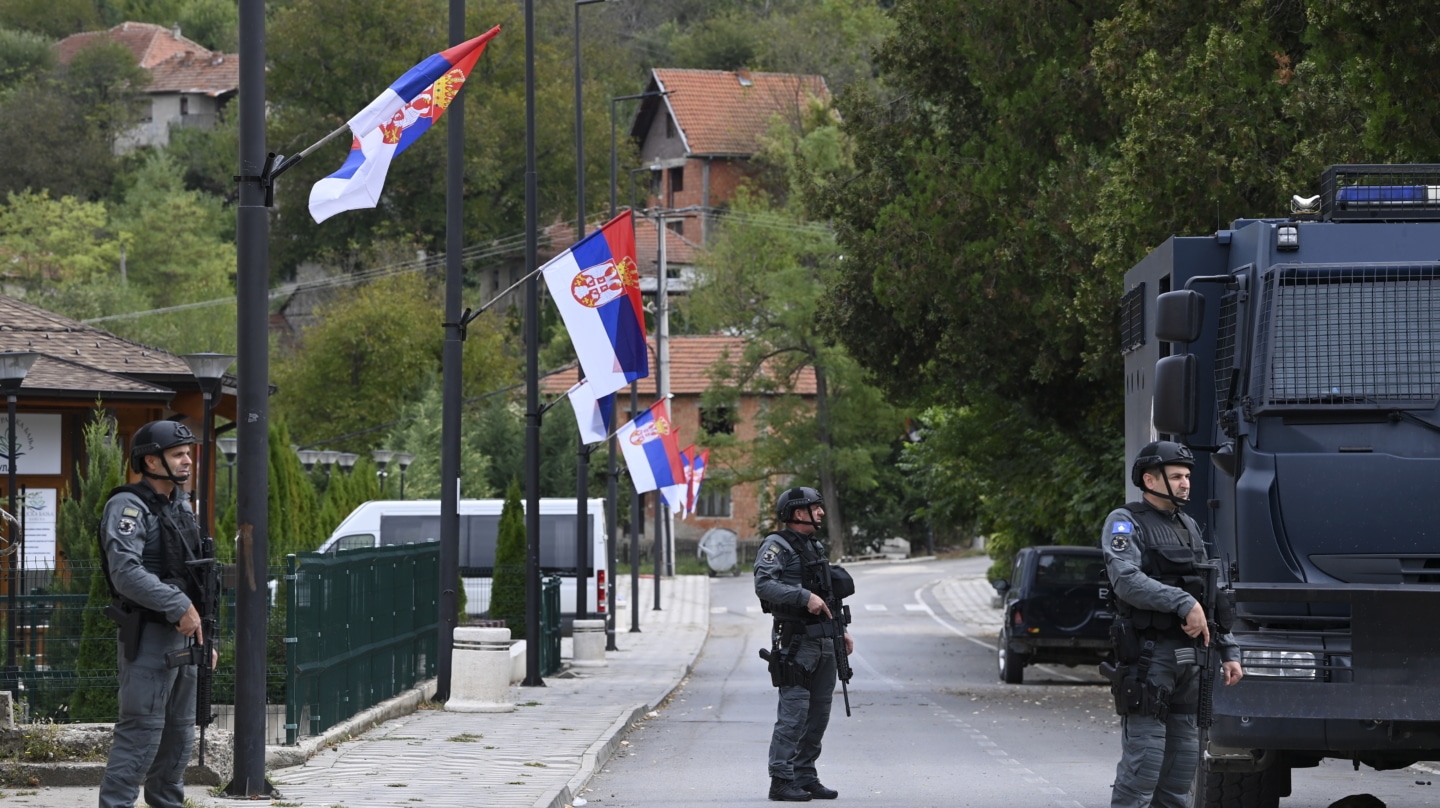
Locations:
(362, 628)
(549, 626)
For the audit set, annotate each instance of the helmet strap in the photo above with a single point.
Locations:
(1169, 494)
(168, 475)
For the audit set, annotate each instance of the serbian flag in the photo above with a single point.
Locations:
(593, 415)
(652, 453)
(687, 462)
(697, 476)
(596, 286)
(404, 112)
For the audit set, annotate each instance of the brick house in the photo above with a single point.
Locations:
(699, 139)
(692, 358)
(189, 84)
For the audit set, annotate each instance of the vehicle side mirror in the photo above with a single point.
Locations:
(1175, 405)
(1179, 316)
(1002, 586)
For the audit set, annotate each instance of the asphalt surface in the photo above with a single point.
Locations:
(676, 719)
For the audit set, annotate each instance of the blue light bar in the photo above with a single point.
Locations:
(1388, 194)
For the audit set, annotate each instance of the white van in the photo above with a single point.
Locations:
(390, 521)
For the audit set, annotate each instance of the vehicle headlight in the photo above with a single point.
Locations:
(1283, 664)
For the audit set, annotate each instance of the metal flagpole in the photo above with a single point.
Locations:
(532, 374)
(252, 236)
(451, 358)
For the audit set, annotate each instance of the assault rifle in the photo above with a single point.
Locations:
(840, 618)
(207, 581)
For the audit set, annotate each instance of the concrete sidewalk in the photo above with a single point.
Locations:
(539, 756)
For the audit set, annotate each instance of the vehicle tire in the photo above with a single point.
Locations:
(1262, 789)
(1012, 665)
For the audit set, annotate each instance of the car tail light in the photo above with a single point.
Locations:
(1018, 619)
(601, 604)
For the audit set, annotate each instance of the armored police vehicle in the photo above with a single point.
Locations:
(1300, 359)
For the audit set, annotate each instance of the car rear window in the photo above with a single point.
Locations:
(1068, 569)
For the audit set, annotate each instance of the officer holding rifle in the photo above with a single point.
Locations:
(154, 558)
(1156, 559)
(810, 647)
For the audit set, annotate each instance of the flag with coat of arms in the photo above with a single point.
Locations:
(389, 124)
(651, 448)
(697, 475)
(596, 286)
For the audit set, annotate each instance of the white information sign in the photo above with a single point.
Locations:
(37, 438)
(39, 506)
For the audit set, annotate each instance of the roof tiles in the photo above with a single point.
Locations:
(727, 112)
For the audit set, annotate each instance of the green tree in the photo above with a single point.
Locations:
(762, 280)
(23, 54)
(52, 18)
(78, 529)
(88, 105)
(507, 589)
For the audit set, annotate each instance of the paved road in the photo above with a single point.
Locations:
(932, 725)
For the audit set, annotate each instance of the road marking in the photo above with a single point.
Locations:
(916, 607)
(720, 609)
(875, 607)
(753, 610)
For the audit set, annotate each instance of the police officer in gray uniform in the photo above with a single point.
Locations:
(793, 579)
(147, 534)
(1153, 552)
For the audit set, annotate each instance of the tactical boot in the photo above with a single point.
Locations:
(786, 791)
(820, 792)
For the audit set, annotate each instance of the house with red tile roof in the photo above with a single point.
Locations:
(189, 84)
(699, 139)
(693, 364)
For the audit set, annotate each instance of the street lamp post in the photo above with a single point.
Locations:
(403, 460)
(382, 458)
(13, 367)
(230, 447)
(327, 459)
(208, 369)
(346, 460)
(308, 458)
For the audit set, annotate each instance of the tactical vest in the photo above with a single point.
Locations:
(816, 575)
(1170, 558)
(179, 542)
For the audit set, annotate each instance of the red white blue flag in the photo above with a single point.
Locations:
(404, 112)
(593, 415)
(652, 453)
(697, 476)
(687, 463)
(596, 286)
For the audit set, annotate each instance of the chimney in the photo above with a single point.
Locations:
(175, 30)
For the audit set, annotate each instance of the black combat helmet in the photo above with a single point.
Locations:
(1159, 454)
(153, 439)
(794, 499)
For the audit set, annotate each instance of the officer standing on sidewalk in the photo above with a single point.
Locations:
(1152, 554)
(794, 580)
(147, 534)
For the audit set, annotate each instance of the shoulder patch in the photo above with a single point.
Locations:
(126, 526)
(130, 512)
(1119, 542)
(769, 556)
(1120, 526)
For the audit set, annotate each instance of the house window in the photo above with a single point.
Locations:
(669, 127)
(657, 181)
(717, 420)
(714, 501)
(677, 227)
(184, 105)
(677, 179)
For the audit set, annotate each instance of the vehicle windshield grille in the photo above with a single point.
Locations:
(1349, 335)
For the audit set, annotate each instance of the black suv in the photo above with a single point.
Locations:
(1055, 610)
